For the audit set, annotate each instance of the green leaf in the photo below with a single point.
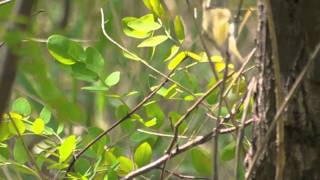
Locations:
(64, 50)
(18, 124)
(19, 153)
(131, 32)
(153, 110)
(21, 106)
(157, 7)
(4, 131)
(201, 161)
(81, 72)
(98, 147)
(45, 115)
(109, 158)
(147, 4)
(131, 56)
(113, 79)
(94, 61)
(176, 60)
(143, 154)
(66, 148)
(228, 152)
(173, 51)
(125, 166)
(151, 122)
(178, 28)
(38, 126)
(81, 166)
(153, 41)
(128, 125)
(95, 88)
(174, 117)
(145, 24)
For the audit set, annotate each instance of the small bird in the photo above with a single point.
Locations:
(216, 23)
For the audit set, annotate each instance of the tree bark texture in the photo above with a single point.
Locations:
(297, 25)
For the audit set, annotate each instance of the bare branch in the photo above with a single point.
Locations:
(190, 144)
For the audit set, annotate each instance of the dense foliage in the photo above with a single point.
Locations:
(105, 108)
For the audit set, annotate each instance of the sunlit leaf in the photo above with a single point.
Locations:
(16, 124)
(131, 56)
(151, 122)
(38, 126)
(4, 131)
(143, 154)
(173, 51)
(176, 60)
(66, 148)
(153, 41)
(113, 79)
(145, 24)
(131, 32)
(125, 166)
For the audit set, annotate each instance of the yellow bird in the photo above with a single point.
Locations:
(216, 24)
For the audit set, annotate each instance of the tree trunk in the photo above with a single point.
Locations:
(297, 26)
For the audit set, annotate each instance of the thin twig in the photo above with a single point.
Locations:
(241, 128)
(237, 18)
(160, 134)
(190, 144)
(138, 106)
(183, 117)
(294, 87)
(143, 61)
(181, 176)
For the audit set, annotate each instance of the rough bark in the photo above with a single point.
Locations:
(297, 24)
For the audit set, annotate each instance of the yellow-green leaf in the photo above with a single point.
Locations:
(131, 56)
(18, 123)
(176, 60)
(113, 79)
(173, 51)
(66, 148)
(143, 154)
(38, 126)
(153, 41)
(125, 166)
(145, 24)
(131, 32)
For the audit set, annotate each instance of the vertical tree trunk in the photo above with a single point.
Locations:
(297, 25)
(10, 59)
